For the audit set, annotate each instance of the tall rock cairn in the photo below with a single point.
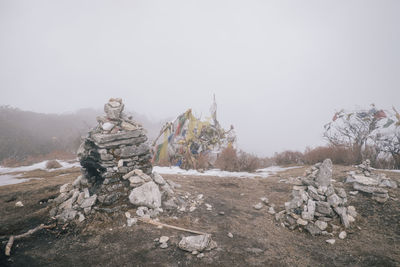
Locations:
(116, 171)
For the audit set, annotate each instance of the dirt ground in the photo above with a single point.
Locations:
(374, 240)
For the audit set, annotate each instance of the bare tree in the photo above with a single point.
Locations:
(353, 129)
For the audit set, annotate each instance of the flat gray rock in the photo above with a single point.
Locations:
(195, 243)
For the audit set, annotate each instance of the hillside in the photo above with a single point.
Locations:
(27, 133)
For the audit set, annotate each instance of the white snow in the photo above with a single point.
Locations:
(39, 166)
(263, 173)
(7, 179)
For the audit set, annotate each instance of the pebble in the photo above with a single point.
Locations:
(258, 206)
(271, 210)
(201, 255)
(164, 239)
(331, 241)
(19, 204)
(195, 252)
(209, 207)
(265, 200)
(230, 235)
(163, 245)
(192, 208)
(342, 235)
(221, 213)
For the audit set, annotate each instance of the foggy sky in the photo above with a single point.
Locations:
(279, 69)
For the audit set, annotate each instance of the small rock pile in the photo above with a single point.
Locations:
(116, 172)
(365, 180)
(316, 204)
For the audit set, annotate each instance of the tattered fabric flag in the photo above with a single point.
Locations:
(380, 114)
(388, 123)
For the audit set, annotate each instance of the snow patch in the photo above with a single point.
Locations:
(40, 166)
(263, 173)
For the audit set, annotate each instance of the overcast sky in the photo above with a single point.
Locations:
(279, 69)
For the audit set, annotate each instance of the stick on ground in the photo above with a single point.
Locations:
(150, 221)
(30, 232)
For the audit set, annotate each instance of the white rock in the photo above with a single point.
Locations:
(107, 126)
(164, 239)
(164, 245)
(19, 204)
(81, 217)
(120, 163)
(192, 208)
(146, 195)
(321, 225)
(330, 241)
(127, 214)
(271, 210)
(342, 235)
(230, 235)
(258, 206)
(265, 200)
(209, 207)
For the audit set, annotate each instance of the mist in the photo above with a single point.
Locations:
(279, 69)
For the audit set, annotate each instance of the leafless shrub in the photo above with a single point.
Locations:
(53, 164)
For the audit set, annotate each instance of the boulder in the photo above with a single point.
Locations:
(146, 195)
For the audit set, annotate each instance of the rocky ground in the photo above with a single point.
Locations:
(255, 238)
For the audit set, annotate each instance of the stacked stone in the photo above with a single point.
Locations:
(116, 171)
(365, 180)
(316, 203)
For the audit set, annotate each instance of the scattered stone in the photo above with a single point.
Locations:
(209, 207)
(342, 235)
(265, 200)
(230, 235)
(163, 239)
(200, 255)
(164, 245)
(131, 221)
(258, 206)
(19, 204)
(330, 241)
(271, 210)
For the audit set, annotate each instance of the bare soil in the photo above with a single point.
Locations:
(374, 240)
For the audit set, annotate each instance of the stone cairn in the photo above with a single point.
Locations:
(365, 180)
(116, 172)
(316, 203)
